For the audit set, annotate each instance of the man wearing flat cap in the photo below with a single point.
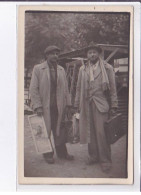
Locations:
(96, 79)
(50, 97)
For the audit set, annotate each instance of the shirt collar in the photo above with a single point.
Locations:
(94, 64)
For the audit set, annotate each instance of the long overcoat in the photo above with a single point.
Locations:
(40, 92)
(101, 101)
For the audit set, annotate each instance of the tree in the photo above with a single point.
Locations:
(71, 31)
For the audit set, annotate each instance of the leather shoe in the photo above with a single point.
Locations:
(69, 157)
(50, 160)
(91, 161)
(106, 169)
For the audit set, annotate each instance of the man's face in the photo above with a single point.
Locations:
(53, 57)
(92, 55)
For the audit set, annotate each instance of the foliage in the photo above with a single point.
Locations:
(71, 31)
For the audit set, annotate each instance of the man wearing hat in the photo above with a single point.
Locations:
(50, 97)
(95, 79)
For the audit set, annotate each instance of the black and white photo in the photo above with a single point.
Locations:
(76, 86)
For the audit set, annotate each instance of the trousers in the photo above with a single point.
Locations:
(61, 150)
(98, 148)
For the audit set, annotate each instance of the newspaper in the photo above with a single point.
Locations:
(39, 133)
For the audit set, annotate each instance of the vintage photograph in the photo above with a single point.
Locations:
(75, 78)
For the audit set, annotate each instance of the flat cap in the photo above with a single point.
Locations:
(51, 48)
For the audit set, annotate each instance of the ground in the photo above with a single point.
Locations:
(35, 166)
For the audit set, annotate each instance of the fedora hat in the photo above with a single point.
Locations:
(93, 46)
(51, 48)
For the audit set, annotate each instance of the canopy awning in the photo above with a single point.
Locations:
(109, 52)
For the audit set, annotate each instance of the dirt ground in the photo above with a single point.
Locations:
(35, 166)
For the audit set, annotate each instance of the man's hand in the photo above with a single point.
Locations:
(39, 111)
(71, 110)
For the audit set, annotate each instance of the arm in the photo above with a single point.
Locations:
(34, 90)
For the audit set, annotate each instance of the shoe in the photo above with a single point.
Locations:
(50, 160)
(69, 157)
(91, 161)
(106, 169)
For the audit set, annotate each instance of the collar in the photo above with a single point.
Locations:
(93, 64)
(45, 65)
(88, 63)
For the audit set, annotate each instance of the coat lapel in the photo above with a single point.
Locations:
(85, 74)
(46, 67)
